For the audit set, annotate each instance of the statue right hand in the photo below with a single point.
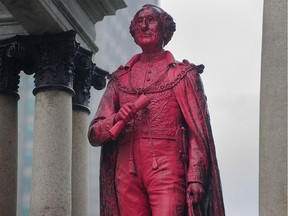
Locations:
(126, 113)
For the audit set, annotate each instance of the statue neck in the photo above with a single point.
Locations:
(152, 57)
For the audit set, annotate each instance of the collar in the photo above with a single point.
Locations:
(170, 60)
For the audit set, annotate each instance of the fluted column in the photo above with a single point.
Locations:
(85, 75)
(52, 150)
(14, 56)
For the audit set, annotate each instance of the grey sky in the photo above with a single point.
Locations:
(225, 36)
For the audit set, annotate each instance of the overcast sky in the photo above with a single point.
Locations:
(225, 36)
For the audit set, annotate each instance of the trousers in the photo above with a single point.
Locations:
(158, 191)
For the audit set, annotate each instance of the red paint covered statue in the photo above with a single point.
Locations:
(158, 155)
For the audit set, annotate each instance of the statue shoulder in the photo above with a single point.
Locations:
(118, 73)
(190, 66)
(123, 70)
(181, 69)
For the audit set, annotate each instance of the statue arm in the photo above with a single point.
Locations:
(198, 140)
(195, 112)
(104, 119)
(192, 102)
(191, 99)
(198, 161)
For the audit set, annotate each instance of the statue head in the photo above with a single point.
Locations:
(152, 20)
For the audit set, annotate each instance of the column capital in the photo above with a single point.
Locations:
(98, 78)
(82, 79)
(15, 55)
(55, 61)
(87, 74)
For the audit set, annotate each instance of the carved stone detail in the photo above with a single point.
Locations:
(82, 79)
(56, 61)
(87, 74)
(15, 56)
(98, 78)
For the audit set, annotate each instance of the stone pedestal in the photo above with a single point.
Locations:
(80, 164)
(8, 155)
(51, 174)
(273, 111)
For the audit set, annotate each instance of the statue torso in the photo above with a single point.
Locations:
(162, 117)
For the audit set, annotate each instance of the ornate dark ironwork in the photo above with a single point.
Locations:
(98, 78)
(15, 55)
(82, 79)
(87, 74)
(55, 61)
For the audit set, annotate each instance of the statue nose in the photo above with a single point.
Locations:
(144, 24)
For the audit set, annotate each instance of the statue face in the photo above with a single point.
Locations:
(147, 33)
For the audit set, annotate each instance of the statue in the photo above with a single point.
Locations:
(158, 155)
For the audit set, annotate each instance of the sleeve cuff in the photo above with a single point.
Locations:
(99, 131)
(196, 176)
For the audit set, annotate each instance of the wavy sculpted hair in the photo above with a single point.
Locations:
(166, 24)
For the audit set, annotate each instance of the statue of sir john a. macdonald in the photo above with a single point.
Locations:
(158, 154)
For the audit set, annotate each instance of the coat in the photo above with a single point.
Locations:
(186, 83)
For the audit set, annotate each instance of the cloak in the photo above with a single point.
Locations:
(187, 85)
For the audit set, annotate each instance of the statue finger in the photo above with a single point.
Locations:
(124, 115)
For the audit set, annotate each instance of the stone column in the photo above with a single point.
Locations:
(52, 150)
(273, 111)
(80, 127)
(86, 74)
(9, 80)
(80, 164)
(8, 154)
(12, 54)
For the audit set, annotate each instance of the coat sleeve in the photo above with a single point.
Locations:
(98, 135)
(98, 132)
(203, 166)
(191, 99)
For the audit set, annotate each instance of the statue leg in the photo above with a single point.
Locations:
(166, 185)
(132, 198)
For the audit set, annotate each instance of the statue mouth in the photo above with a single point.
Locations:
(146, 34)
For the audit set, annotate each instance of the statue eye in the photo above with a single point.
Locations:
(139, 21)
(152, 20)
